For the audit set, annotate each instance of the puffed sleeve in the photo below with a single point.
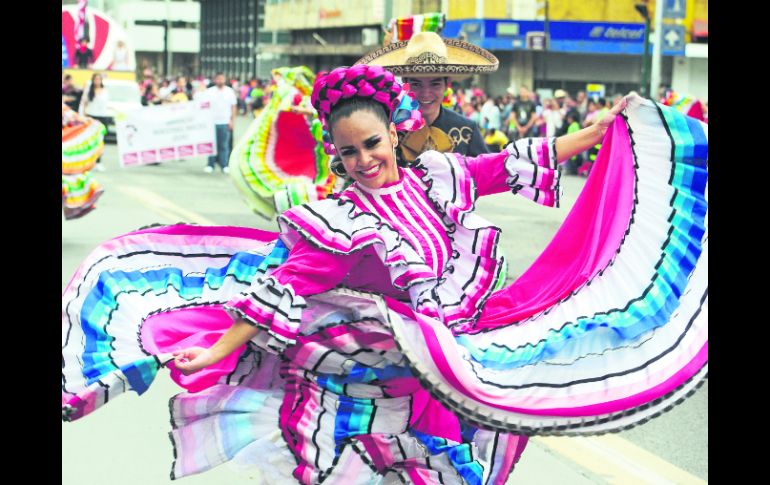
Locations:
(274, 302)
(526, 167)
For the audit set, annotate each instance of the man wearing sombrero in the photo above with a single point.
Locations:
(427, 62)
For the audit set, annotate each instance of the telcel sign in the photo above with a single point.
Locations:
(601, 32)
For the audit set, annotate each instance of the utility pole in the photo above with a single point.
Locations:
(546, 30)
(645, 84)
(167, 39)
(657, 49)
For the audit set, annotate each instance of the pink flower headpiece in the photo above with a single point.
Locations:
(364, 82)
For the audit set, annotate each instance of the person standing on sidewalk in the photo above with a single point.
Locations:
(223, 106)
(94, 103)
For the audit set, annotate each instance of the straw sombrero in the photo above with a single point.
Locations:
(426, 54)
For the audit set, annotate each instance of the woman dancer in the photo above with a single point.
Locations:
(372, 338)
(280, 160)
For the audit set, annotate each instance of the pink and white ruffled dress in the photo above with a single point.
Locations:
(388, 351)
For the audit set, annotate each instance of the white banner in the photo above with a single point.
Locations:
(167, 132)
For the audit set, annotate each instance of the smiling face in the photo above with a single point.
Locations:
(429, 92)
(365, 146)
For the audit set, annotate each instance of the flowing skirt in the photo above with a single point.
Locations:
(280, 162)
(607, 329)
(82, 145)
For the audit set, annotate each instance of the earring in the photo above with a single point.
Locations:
(338, 169)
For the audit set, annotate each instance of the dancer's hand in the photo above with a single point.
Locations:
(603, 124)
(571, 144)
(193, 359)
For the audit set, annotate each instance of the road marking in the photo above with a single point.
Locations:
(618, 461)
(163, 206)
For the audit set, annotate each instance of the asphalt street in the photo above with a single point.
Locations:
(127, 441)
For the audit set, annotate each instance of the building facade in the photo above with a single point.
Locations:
(589, 41)
(323, 34)
(164, 34)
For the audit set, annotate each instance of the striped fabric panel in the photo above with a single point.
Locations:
(80, 184)
(339, 227)
(504, 452)
(269, 305)
(459, 454)
(385, 209)
(532, 170)
(447, 182)
(102, 301)
(318, 425)
(678, 258)
(472, 276)
(426, 216)
(212, 426)
(98, 360)
(644, 379)
(331, 350)
(408, 211)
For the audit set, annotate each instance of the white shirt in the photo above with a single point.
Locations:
(222, 102)
(96, 106)
(553, 121)
(120, 60)
(491, 112)
(165, 91)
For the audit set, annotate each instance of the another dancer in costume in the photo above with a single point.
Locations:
(371, 338)
(82, 143)
(689, 105)
(427, 62)
(280, 162)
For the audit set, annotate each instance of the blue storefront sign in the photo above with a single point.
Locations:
(576, 37)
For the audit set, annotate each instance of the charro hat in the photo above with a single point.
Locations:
(426, 54)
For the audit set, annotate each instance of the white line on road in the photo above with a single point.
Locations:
(163, 206)
(618, 461)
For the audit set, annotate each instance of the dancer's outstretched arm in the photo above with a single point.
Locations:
(567, 146)
(193, 359)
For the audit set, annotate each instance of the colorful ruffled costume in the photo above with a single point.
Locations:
(686, 104)
(280, 162)
(386, 349)
(82, 143)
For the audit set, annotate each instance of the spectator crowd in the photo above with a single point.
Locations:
(518, 113)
